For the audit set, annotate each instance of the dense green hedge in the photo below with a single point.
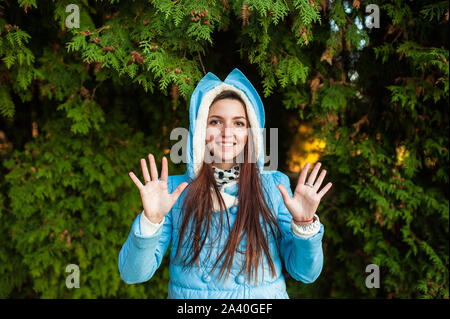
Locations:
(80, 106)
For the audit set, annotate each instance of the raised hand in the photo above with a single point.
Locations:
(155, 196)
(306, 199)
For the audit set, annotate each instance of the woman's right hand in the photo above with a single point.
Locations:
(155, 196)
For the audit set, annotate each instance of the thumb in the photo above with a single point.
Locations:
(177, 192)
(284, 193)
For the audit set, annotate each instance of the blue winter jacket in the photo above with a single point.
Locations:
(141, 256)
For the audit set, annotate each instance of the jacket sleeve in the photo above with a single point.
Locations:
(141, 255)
(303, 257)
(147, 227)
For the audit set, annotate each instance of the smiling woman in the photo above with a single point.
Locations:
(236, 222)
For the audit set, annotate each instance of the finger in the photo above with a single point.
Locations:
(324, 190)
(145, 171)
(284, 193)
(302, 177)
(164, 170)
(177, 192)
(153, 170)
(136, 180)
(313, 175)
(303, 173)
(320, 180)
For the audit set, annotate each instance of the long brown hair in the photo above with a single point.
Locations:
(198, 212)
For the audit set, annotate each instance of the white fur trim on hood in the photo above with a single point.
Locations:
(199, 143)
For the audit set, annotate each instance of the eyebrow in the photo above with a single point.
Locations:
(234, 118)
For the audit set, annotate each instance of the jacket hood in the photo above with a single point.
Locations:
(205, 92)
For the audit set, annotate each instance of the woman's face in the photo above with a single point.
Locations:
(226, 130)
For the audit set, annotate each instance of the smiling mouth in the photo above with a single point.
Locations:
(226, 144)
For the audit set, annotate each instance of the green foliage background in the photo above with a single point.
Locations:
(79, 107)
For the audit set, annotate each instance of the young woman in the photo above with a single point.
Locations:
(235, 223)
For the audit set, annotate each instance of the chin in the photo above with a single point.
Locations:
(226, 156)
(222, 158)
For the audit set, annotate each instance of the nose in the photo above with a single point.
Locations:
(227, 131)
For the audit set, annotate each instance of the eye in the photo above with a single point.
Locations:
(240, 123)
(213, 122)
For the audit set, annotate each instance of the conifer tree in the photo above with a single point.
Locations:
(80, 106)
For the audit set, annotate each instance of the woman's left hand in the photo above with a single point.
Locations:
(306, 198)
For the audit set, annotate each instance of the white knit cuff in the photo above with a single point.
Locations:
(147, 227)
(306, 231)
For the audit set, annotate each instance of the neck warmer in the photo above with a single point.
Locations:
(224, 177)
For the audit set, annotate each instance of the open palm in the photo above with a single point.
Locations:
(306, 197)
(155, 195)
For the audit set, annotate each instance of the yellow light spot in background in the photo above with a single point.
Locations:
(402, 153)
(305, 148)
